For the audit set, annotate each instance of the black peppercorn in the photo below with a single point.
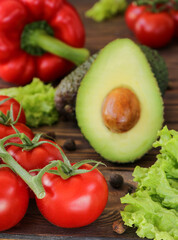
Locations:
(116, 180)
(70, 145)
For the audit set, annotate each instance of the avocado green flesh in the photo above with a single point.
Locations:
(120, 64)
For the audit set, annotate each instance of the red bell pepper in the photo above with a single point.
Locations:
(39, 38)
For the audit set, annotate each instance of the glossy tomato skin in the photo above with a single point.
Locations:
(14, 199)
(132, 13)
(36, 158)
(8, 130)
(154, 29)
(16, 107)
(174, 15)
(75, 202)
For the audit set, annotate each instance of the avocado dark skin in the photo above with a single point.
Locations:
(66, 91)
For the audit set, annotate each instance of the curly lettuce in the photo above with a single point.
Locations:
(37, 100)
(105, 9)
(153, 208)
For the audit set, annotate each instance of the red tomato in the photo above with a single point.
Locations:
(36, 158)
(75, 202)
(14, 199)
(16, 107)
(8, 130)
(132, 13)
(154, 29)
(174, 15)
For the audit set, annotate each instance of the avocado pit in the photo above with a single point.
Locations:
(120, 110)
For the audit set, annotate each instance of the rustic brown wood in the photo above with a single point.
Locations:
(34, 226)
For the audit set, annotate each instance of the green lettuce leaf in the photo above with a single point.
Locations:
(150, 217)
(105, 9)
(37, 100)
(153, 208)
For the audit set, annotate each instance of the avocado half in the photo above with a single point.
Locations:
(121, 65)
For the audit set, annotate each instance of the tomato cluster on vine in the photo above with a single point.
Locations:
(68, 195)
(153, 22)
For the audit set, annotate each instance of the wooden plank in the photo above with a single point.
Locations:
(34, 226)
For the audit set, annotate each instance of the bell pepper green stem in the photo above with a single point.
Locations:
(38, 37)
(59, 48)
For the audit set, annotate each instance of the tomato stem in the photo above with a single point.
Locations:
(64, 169)
(34, 182)
(31, 181)
(8, 118)
(5, 100)
(56, 163)
(155, 5)
(2, 118)
(5, 165)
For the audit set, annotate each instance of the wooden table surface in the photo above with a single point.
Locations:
(34, 226)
